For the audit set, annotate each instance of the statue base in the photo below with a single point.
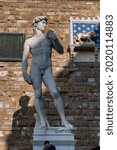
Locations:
(60, 137)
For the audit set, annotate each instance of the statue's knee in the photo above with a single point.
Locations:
(37, 94)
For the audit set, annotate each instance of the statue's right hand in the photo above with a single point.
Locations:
(27, 78)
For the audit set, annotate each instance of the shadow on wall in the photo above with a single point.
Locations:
(22, 126)
(78, 85)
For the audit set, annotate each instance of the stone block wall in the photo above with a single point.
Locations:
(78, 83)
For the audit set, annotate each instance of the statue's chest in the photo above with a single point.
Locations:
(42, 46)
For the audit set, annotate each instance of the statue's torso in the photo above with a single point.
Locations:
(41, 53)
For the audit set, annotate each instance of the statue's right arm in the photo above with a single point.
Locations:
(26, 53)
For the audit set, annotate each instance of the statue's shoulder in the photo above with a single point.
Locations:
(29, 42)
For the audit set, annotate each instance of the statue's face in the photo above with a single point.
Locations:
(41, 25)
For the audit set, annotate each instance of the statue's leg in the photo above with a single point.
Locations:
(49, 81)
(39, 108)
(37, 86)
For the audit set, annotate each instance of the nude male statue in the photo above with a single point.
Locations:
(40, 46)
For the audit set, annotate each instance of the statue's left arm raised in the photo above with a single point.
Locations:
(55, 42)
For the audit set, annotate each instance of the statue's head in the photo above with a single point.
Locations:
(39, 22)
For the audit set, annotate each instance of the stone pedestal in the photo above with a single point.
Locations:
(62, 138)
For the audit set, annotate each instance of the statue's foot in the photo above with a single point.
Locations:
(67, 125)
(42, 126)
(43, 123)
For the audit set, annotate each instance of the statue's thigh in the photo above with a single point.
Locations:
(49, 81)
(36, 78)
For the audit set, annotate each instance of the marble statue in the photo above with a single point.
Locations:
(40, 46)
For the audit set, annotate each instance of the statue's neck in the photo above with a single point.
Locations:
(39, 34)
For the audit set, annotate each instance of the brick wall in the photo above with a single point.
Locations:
(78, 83)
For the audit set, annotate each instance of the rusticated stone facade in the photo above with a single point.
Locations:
(78, 83)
